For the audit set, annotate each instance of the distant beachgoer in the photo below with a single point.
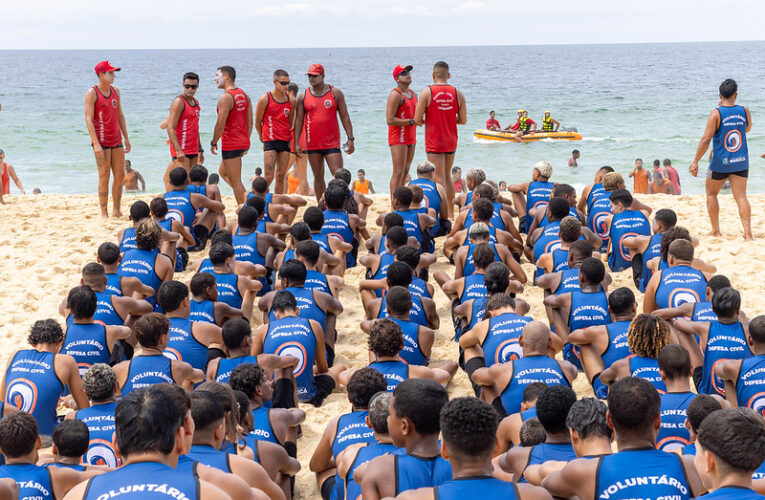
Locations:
(183, 126)
(362, 184)
(640, 178)
(441, 112)
(317, 110)
(671, 174)
(213, 179)
(657, 167)
(549, 124)
(132, 178)
(502, 186)
(258, 173)
(660, 185)
(492, 123)
(107, 129)
(572, 162)
(459, 184)
(523, 126)
(274, 114)
(726, 128)
(7, 172)
(36, 191)
(402, 131)
(233, 129)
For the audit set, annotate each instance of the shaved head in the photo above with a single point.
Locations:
(535, 335)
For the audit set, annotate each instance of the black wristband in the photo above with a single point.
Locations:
(200, 151)
(411, 121)
(351, 139)
(213, 144)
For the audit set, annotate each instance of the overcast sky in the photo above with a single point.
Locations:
(148, 24)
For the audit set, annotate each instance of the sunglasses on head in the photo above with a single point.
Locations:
(190, 86)
(283, 83)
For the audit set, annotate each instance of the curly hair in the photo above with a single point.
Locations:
(469, 427)
(647, 335)
(386, 338)
(99, 382)
(46, 331)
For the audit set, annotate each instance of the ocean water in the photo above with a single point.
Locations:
(628, 101)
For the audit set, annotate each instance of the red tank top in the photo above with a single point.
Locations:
(187, 129)
(276, 120)
(322, 130)
(5, 180)
(406, 134)
(106, 118)
(441, 119)
(235, 136)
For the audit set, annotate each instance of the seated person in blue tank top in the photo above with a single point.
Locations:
(463, 257)
(237, 337)
(309, 252)
(700, 311)
(204, 304)
(469, 427)
(377, 264)
(508, 432)
(570, 230)
(414, 425)
(145, 262)
(568, 193)
(633, 414)
(280, 208)
(418, 339)
(36, 391)
(698, 409)
(647, 335)
(21, 442)
(376, 244)
(624, 223)
(502, 384)
(151, 366)
(643, 248)
(109, 256)
(718, 340)
(675, 370)
(159, 213)
(435, 196)
(253, 246)
(70, 443)
(419, 264)
(492, 212)
(338, 222)
(730, 448)
(602, 345)
(150, 447)
(242, 268)
(183, 206)
(259, 204)
(544, 239)
(661, 261)
(198, 184)
(532, 194)
(590, 190)
(473, 178)
(362, 200)
(234, 289)
(416, 224)
(568, 280)
(331, 244)
(553, 406)
(139, 210)
(326, 262)
(348, 429)
(744, 379)
(400, 274)
(482, 212)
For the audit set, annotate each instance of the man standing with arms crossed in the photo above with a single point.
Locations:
(106, 127)
(402, 131)
(273, 122)
(441, 108)
(317, 110)
(183, 126)
(233, 129)
(726, 129)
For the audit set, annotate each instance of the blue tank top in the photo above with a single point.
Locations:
(179, 207)
(394, 372)
(411, 223)
(199, 189)
(538, 194)
(529, 414)
(145, 371)
(653, 250)
(105, 312)
(526, 371)
(596, 190)
(569, 281)
(624, 225)
(307, 307)
(588, 309)
(419, 287)
(336, 223)
(617, 343)
(571, 211)
(725, 341)
(251, 442)
(246, 249)
(733, 493)
(473, 287)
(128, 240)
(145, 480)
(365, 454)
(501, 342)
(100, 421)
(77, 467)
(702, 311)
(648, 369)
(730, 151)
(228, 289)
(596, 218)
(476, 487)
(560, 260)
(417, 313)
(543, 452)
(34, 481)
(412, 353)
(141, 264)
(293, 336)
(322, 241)
(317, 281)
(547, 241)
(678, 285)
(477, 311)
(351, 429)
(202, 310)
(432, 198)
(113, 284)
(206, 266)
(31, 385)
(469, 267)
(673, 434)
(183, 346)
(412, 472)
(495, 222)
(750, 384)
(226, 365)
(210, 456)
(641, 473)
(386, 260)
(86, 343)
(469, 198)
(262, 428)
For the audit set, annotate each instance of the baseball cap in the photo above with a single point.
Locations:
(545, 169)
(400, 69)
(105, 66)
(315, 69)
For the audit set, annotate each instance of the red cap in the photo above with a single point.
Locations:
(105, 66)
(400, 69)
(315, 69)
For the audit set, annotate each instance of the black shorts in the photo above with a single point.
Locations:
(327, 487)
(440, 152)
(323, 152)
(278, 146)
(190, 157)
(234, 153)
(718, 176)
(324, 387)
(109, 147)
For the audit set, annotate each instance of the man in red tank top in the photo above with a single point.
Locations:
(317, 110)
(300, 162)
(7, 172)
(402, 131)
(183, 125)
(107, 128)
(441, 108)
(233, 129)
(274, 114)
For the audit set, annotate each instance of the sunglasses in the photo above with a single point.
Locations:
(189, 86)
(313, 76)
(284, 83)
(403, 73)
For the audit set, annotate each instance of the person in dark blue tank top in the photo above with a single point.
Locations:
(233, 289)
(171, 248)
(745, 378)
(112, 309)
(183, 205)
(204, 304)
(253, 246)
(624, 223)
(70, 444)
(675, 366)
(643, 248)
(569, 231)
(144, 263)
(341, 224)
(677, 284)
(435, 194)
(308, 252)
(400, 274)
(726, 128)
(537, 193)
(416, 225)
(99, 382)
(377, 264)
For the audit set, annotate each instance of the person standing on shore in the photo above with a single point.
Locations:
(107, 128)
(672, 175)
(7, 172)
(274, 113)
(317, 110)
(402, 131)
(441, 108)
(183, 126)
(726, 129)
(300, 172)
(640, 178)
(233, 129)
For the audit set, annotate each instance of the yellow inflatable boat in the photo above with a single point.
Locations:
(497, 135)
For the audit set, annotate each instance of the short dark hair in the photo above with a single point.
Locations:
(108, 253)
(300, 231)
(399, 274)
(757, 329)
(171, 294)
(500, 301)
(158, 207)
(200, 281)
(244, 405)
(284, 301)
(532, 433)
(363, 384)
(736, 436)
(699, 408)
(588, 418)
(717, 282)
(146, 420)
(18, 434)
(483, 255)
(82, 301)
(392, 220)
(248, 217)
(420, 400)
(213, 179)
(403, 195)
(198, 173)
(469, 427)
(179, 396)
(190, 76)
(256, 202)
(533, 391)
(409, 255)
(72, 438)
(150, 327)
(622, 197)
(206, 410)
(397, 236)
(45, 331)
(633, 404)
(483, 209)
(220, 252)
(98, 382)
(293, 271)
(386, 338)
(308, 249)
(441, 67)
(228, 70)
(669, 237)
(726, 302)
(581, 248)
(667, 217)
(728, 87)
(553, 406)
(559, 208)
(592, 270)
(379, 407)
(221, 236)
(235, 331)
(486, 191)
(314, 217)
(246, 378)
(178, 176)
(344, 175)
(139, 210)
(562, 190)
(681, 249)
(621, 300)
(334, 196)
(260, 185)
(399, 300)
(280, 72)
(497, 278)
(674, 361)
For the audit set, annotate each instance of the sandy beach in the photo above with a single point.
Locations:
(46, 239)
